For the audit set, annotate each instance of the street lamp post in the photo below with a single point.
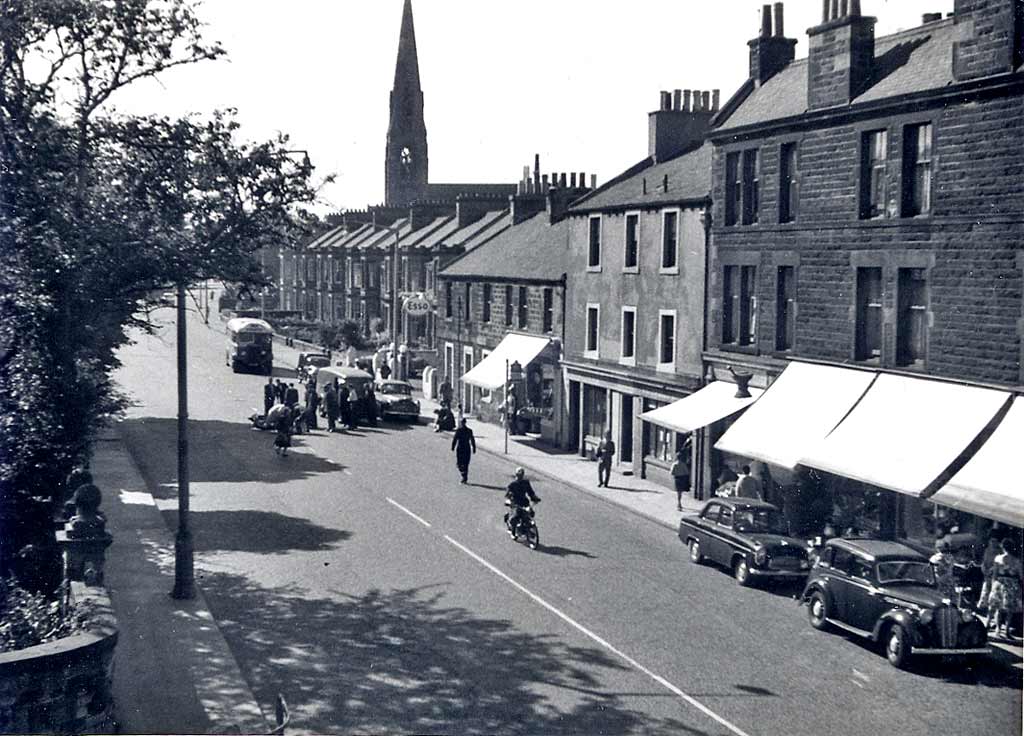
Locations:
(184, 573)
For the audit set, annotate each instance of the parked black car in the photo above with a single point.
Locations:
(886, 592)
(749, 537)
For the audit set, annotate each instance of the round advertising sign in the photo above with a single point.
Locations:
(417, 306)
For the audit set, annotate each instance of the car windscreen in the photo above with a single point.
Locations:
(761, 521)
(906, 571)
(246, 338)
(396, 388)
(318, 360)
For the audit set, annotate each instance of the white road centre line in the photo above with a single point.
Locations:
(587, 632)
(403, 508)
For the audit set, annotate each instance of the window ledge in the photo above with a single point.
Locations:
(631, 362)
(674, 271)
(593, 269)
(631, 269)
(591, 354)
(666, 367)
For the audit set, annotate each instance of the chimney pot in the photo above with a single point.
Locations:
(544, 181)
(834, 15)
(583, 180)
(844, 8)
(779, 32)
(572, 179)
(666, 100)
(593, 181)
(714, 100)
(824, 10)
(696, 101)
(766, 21)
(855, 8)
(930, 17)
(686, 100)
(677, 99)
(562, 181)
(705, 101)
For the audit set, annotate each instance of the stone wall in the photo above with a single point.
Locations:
(63, 686)
(968, 244)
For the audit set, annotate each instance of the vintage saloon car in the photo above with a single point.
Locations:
(747, 536)
(886, 592)
(394, 399)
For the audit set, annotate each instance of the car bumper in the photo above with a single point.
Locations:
(976, 650)
(763, 573)
(399, 412)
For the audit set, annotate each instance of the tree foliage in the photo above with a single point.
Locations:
(100, 211)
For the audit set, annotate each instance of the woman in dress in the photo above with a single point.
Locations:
(1004, 600)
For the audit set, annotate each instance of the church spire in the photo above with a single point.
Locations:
(407, 68)
(405, 161)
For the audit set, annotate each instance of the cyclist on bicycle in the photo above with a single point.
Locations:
(519, 496)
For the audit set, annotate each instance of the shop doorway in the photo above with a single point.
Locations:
(626, 430)
(574, 415)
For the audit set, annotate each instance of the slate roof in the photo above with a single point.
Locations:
(417, 237)
(437, 235)
(689, 178)
(478, 235)
(533, 250)
(915, 60)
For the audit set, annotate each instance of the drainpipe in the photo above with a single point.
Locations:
(702, 451)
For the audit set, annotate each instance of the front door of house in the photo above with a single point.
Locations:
(626, 430)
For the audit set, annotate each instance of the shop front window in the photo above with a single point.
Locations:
(595, 405)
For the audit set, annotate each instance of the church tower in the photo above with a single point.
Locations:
(405, 161)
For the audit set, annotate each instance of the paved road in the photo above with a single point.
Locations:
(360, 579)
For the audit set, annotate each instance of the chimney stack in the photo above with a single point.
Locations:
(841, 55)
(990, 37)
(770, 52)
(671, 131)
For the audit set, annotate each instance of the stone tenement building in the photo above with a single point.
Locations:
(867, 264)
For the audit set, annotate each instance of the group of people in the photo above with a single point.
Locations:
(283, 412)
(992, 585)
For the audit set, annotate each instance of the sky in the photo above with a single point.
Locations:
(572, 80)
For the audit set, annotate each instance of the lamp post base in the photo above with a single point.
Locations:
(184, 573)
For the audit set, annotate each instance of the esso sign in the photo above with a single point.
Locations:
(417, 306)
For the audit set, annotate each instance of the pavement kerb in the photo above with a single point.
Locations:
(175, 668)
(578, 486)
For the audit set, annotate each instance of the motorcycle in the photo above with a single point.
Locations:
(519, 520)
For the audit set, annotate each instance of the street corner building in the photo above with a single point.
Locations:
(865, 273)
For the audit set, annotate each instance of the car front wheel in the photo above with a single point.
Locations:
(696, 556)
(897, 646)
(741, 571)
(817, 610)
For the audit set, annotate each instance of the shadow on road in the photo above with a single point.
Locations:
(219, 452)
(262, 532)
(556, 551)
(402, 661)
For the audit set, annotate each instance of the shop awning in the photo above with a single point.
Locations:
(905, 432)
(800, 408)
(489, 373)
(987, 484)
(715, 401)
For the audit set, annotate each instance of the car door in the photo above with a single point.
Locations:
(705, 531)
(866, 603)
(721, 535)
(846, 592)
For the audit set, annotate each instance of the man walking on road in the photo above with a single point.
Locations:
(464, 444)
(605, 453)
(291, 396)
(331, 404)
(269, 394)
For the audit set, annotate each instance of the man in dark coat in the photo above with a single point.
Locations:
(291, 396)
(464, 444)
(344, 407)
(312, 404)
(331, 405)
(269, 394)
(279, 390)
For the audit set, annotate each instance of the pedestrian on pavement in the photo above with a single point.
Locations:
(291, 396)
(680, 476)
(446, 393)
(331, 404)
(747, 486)
(344, 406)
(464, 445)
(1005, 599)
(269, 394)
(943, 564)
(605, 453)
